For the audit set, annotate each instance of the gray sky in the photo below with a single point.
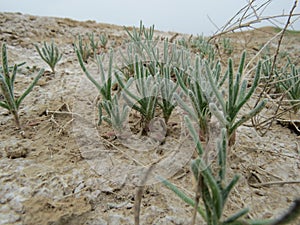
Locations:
(186, 16)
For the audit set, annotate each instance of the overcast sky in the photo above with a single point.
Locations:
(186, 16)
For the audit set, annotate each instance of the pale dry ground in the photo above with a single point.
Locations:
(45, 178)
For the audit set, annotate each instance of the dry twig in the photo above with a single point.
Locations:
(138, 196)
(291, 14)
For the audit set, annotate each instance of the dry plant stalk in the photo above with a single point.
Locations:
(249, 15)
(139, 195)
(254, 122)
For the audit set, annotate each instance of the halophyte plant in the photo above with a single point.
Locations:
(50, 54)
(7, 85)
(238, 96)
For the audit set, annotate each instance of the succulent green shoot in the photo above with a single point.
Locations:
(7, 80)
(289, 83)
(238, 96)
(183, 196)
(116, 113)
(50, 54)
(83, 48)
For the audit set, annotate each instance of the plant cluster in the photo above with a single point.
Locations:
(145, 84)
(227, 46)
(155, 84)
(225, 106)
(97, 45)
(214, 189)
(212, 186)
(114, 115)
(201, 46)
(155, 80)
(149, 84)
(287, 82)
(203, 86)
(83, 48)
(89, 46)
(284, 80)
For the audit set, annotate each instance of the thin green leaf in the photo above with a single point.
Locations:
(215, 88)
(217, 113)
(248, 116)
(235, 216)
(242, 92)
(230, 86)
(79, 56)
(13, 77)
(28, 90)
(179, 75)
(252, 89)
(183, 196)
(185, 107)
(195, 135)
(5, 64)
(4, 105)
(222, 147)
(242, 63)
(229, 187)
(8, 96)
(216, 192)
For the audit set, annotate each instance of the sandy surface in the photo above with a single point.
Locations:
(50, 177)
